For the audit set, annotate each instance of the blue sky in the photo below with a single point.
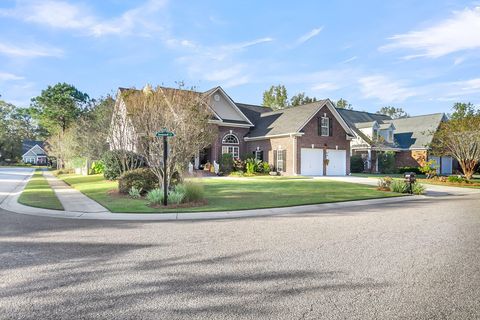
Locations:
(419, 55)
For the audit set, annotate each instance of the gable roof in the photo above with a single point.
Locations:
(27, 145)
(286, 121)
(416, 132)
(204, 95)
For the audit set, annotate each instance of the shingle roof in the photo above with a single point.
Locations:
(29, 144)
(416, 132)
(284, 121)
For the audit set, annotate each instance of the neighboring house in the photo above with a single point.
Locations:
(408, 137)
(34, 152)
(312, 139)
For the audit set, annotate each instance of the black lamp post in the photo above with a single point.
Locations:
(165, 134)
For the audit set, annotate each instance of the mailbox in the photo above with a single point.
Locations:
(410, 177)
(410, 180)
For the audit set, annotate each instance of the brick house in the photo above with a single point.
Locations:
(312, 139)
(408, 137)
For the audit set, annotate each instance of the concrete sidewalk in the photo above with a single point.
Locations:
(79, 206)
(72, 199)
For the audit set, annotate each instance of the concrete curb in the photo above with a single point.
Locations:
(11, 204)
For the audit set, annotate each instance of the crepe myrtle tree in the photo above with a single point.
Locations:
(183, 111)
(459, 137)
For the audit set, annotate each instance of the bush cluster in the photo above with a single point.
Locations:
(403, 170)
(97, 167)
(386, 162)
(401, 186)
(182, 193)
(112, 161)
(356, 164)
(385, 183)
(142, 179)
(456, 179)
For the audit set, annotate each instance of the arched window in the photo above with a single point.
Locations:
(230, 139)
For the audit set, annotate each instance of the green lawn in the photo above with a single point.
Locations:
(422, 179)
(38, 193)
(235, 194)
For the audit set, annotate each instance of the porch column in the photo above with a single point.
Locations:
(196, 164)
(369, 159)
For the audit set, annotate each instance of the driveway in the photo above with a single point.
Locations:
(10, 178)
(414, 260)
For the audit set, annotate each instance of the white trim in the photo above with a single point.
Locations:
(335, 113)
(230, 134)
(34, 151)
(293, 134)
(231, 102)
(229, 124)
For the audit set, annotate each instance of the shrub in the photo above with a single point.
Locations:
(456, 179)
(113, 159)
(141, 178)
(430, 169)
(418, 188)
(266, 167)
(356, 164)
(252, 165)
(226, 163)
(384, 183)
(399, 186)
(176, 196)
(386, 162)
(193, 191)
(97, 167)
(403, 170)
(238, 165)
(135, 193)
(155, 196)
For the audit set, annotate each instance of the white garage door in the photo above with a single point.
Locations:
(337, 162)
(311, 163)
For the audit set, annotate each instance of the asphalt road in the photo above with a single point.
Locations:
(408, 260)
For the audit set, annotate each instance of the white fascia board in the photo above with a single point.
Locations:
(293, 134)
(232, 103)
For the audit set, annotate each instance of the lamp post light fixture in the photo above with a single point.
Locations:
(165, 134)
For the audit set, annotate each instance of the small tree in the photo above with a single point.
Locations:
(276, 97)
(343, 104)
(301, 99)
(394, 113)
(460, 138)
(185, 112)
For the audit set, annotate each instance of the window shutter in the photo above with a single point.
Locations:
(254, 155)
(275, 159)
(330, 127)
(319, 126)
(284, 156)
(261, 155)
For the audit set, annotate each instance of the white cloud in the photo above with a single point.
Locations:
(65, 15)
(29, 51)
(309, 35)
(458, 33)
(221, 64)
(5, 76)
(349, 60)
(325, 86)
(384, 89)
